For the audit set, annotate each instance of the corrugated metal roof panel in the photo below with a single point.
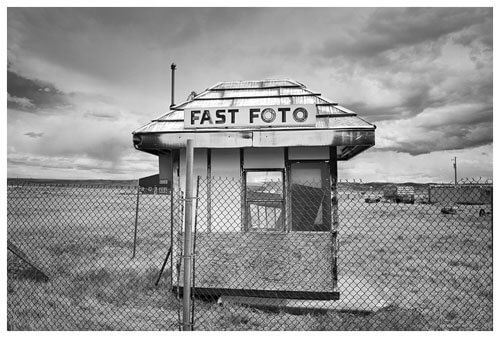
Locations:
(211, 95)
(346, 110)
(294, 91)
(252, 92)
(209, 103)
(322, 99)
(342, 122)
(328, 110)
(264, 101)
(255, 84)
(239, 93)
(305, 99)
(258, 93)
(172, 115)
(260, 101)
(156, 127)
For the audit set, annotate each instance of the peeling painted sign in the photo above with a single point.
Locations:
(250, 117)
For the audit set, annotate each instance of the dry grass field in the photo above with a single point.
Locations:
(435, 270)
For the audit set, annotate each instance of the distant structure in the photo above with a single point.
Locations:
(400, 194)
(461, 193)
(151, 185)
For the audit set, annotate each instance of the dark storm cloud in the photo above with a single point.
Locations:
(32, 134)
(102, 40)
(36, 94)
(393, 28)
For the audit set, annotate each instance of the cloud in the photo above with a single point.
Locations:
(32, 95)
(74, 124)
(20, 102)
(34, 135)
(445, 128)
(394, 28)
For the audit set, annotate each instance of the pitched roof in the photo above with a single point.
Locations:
(329, 115)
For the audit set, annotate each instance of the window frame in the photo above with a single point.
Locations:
(246, 213)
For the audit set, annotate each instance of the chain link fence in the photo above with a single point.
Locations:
(267, 256)
(89, 258)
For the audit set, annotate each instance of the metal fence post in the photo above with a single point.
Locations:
(136, 219)
(186, 295)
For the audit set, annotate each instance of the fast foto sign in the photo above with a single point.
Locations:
(251, 116)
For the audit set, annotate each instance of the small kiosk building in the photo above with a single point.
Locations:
(266, 152)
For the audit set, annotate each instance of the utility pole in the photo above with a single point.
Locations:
(455, 168)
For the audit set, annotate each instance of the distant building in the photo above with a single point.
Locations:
(461, 193)
(151, 185)
(400, 194)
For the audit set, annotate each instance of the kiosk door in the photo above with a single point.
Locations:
(310, 196)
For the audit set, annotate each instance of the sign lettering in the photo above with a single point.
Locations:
(251, 117)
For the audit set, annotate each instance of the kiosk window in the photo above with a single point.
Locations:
(310, 196)
(264, 201)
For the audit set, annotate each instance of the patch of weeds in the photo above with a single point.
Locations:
(451, 315)
(392, 318)
(75, 249)
(488, 294)
(95, 276)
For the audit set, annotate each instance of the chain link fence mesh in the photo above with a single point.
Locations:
(267, 256)
(71, 262)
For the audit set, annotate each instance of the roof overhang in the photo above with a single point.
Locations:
(350, 141)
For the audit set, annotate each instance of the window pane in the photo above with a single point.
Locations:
(266, 185)
(310, 189)
(264, 200)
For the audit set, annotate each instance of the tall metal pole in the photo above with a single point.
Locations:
(186, 295)
(136, 219)
(455, 168)
(172, 67)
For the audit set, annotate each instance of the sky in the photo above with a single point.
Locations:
(80, 80)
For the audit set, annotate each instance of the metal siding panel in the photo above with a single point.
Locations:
(242, 139)
(200, 140)
(283, 138)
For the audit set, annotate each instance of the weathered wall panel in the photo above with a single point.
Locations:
(255, 158)
(266, 261)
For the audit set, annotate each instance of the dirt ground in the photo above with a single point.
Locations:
(433, 269)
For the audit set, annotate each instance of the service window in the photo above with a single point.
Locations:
(264, 200)
(310, 196)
